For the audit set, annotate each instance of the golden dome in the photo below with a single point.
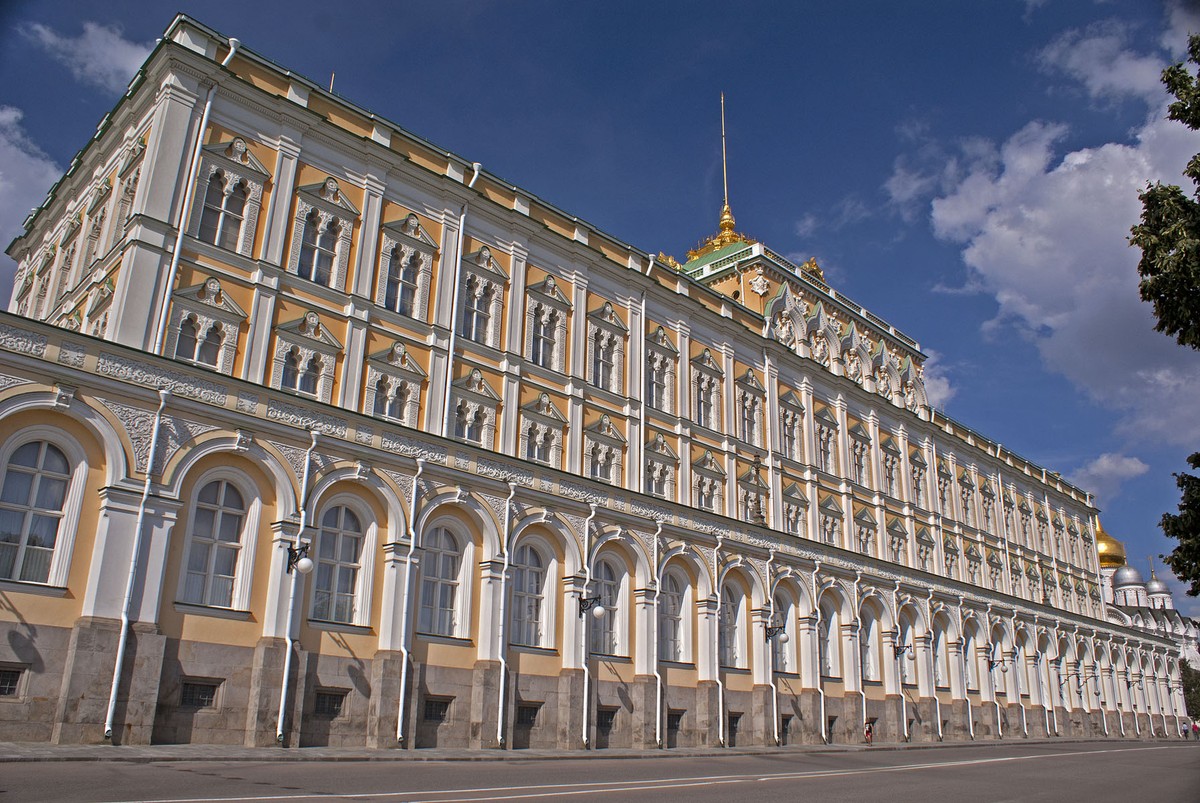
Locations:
(1112, 551)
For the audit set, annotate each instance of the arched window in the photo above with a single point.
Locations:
(221, 220)
(339, 550)
(782, 649)
(528, 596)
(440, 566)
(477, 315)
(608, 589)
(318, 248)
(828, 641)
(210, 349)
(291, 370)
(728, 627)
(868, 662)
(214, 545)
(311, 377)
(382, 390)
(603, 360)
(941, 658)
(670, 618)
(185, 346)
(32, 505)
(541, 347)
(401, 295)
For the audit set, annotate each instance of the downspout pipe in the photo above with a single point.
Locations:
(134, 561)
(293, 592)
(820, 679)
(458, 255)
(962, 637)
(501, 631)
(189, 191)
(898, 657)
(717, 645)
(771, 647)
(585, 646)
(937, 703)
(1018, 672)
(658, 678)
(404, 629)
(1100, 695)
(862, 686)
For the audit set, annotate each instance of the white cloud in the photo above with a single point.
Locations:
(100, 56)
(938, 387)
(807, 225)
(1105, 475)
(26, 173)
(1098, 59)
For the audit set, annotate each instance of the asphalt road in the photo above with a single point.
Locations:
(1141, 772)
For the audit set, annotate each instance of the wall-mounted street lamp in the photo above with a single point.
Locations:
(997, 659)
(778, 632)
(298, 559)
(593, 604)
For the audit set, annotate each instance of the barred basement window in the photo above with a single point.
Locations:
(605, 717)
(527, 713)
(674, 720)
(437, 709)
(10, 682)
(199, 694)
(329, 703)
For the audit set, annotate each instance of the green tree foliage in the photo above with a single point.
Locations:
(1184, 527)
(1169, 233)
(1191, 689)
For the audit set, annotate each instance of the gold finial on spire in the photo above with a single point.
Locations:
(726, 235)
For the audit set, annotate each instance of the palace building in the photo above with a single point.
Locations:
(316, 434)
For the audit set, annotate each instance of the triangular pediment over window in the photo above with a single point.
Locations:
(209, 294)
(895, 528)
(658, 446)
(973, 553)
(923, 536)
(482, 261)
(604, 429)
(791, 399)
(397, 359)
(793, 494)
(750, 381)
(309, 327)
(328, 196)
(831, 506)
(473, 384)
(866, 518)
(660, 340)
(606, 316)
(707, 464)
(235, 153)
(409, 230)
(704, 360)
(547, 290)
(543, 408)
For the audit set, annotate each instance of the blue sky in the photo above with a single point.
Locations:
(968, 171)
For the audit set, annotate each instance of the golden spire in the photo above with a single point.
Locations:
(725, 234)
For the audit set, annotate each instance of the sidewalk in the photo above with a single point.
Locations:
(143, 754)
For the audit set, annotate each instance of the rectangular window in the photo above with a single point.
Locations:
(329, 703)
(674, 720)
(527, 714)
(605, 717)
(199, 693)
(437, 709)
(10, 682)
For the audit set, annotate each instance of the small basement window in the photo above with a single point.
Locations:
(605, 718)
(10, 681)
(437, 709)
(199, 693)
(527, 713)
(329, 702)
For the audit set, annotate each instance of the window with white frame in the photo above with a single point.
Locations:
(305, 356)
(829, 519)
(603, 450)
(394, 382)
(706, 390)
(661, 465)
(204, 326)
(827, 441)
(730, 650)
(321, 233)
(860, 456)
(897, 541)
(228, 200)
(918, 469)
(865, 528)
(66, 272)
(483, 298)
(606, 349)
(474, 406)
(661, 360)
(750, 401)
(219, 548)
(529, 583)
(795, 511)
(671, 621)
(442, 563)
(791, 426)
(128, 174)
(405, 267)
(546, 310)
(945, 496)
(966, 493)
(339, 563)
(753, 494)
(541, 435)
(40, 497)
(606, 633)
(708, 483)
(987, 500)
(891, 468)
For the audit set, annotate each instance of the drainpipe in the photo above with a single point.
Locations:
(1116, 695)
(937, 703)
(962, 637)
(185, 199)
(771, 647)
(501, 633)
(658, 678)
(820, 679)
(458, 255)
(862, 686)
(292, 638)
(404, 633)
(134, 559)
(717, 645)
(898, 658)
(1100, 695)
(585, 647)
(1017, 673)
